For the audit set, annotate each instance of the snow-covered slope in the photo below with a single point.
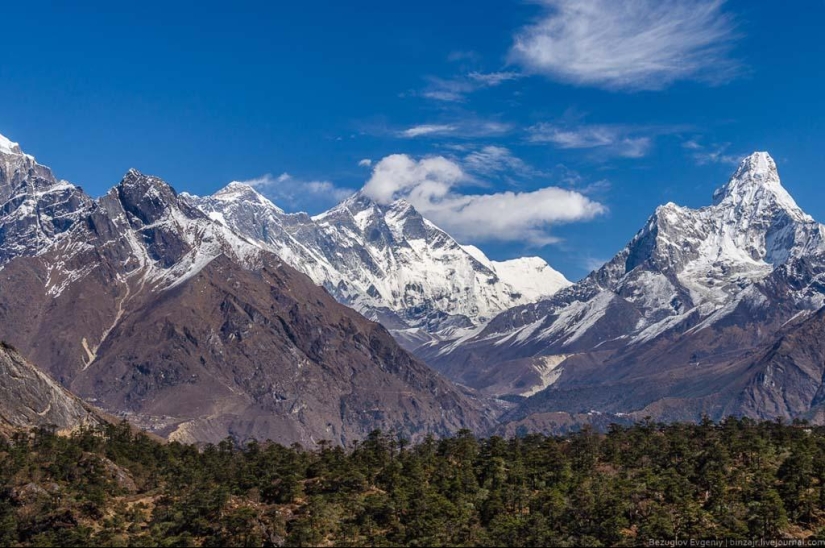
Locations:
(8, 147)
(388, 262)
(531, 275)
(752, 250)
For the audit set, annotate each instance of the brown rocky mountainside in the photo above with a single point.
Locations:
(787, 377)
(783, 377)
(29, 398)
(150, 310)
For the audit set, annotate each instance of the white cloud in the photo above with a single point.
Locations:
(366, 162)
(427, 129)
(286, 190)
(615, 140)
(326, 188)
(629, 44)
(432, 186)
(567, 176)
(583, 137)
(418, 180)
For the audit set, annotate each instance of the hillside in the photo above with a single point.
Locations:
(738, 480)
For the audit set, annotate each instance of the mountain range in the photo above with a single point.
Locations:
(710, 312)
(144, 306)
(204, 317)
(387, 262)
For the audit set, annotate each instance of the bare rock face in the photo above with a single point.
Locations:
(681, 323)
(786, 377)
(150, 309)
(36, 208)
(30, 398)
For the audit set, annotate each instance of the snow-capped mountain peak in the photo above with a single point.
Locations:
(532, 276)
(12, 159)
(35, 207)
(134, 178)
(758, 168)
(356, 204)
(243, 192)
(146, 197)
(753, 226)
(756, 186)
(7, 146)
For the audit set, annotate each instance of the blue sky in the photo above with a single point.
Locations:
(551, 128)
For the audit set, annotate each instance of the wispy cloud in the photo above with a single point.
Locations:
(467, 127)
(712, 154)
(451, 90)
(592, 263)
(491, 79)
(433, 186)
(366, 162)
(286, 190)
(427, 129)
(264, 180)
(456, 89)
(494, 160)
(612, 140)
(629, 44)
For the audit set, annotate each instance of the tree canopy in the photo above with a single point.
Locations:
(738, 479)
